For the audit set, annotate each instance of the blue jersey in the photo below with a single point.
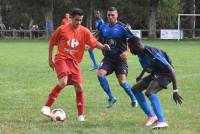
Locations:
(154, 59)
(115, 36)
(98, 23)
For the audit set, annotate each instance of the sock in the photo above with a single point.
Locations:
(143, 103)
(127, 88)
(92, 57)
(80, 102)
(155, 102)
(104, 84)
(53, 95)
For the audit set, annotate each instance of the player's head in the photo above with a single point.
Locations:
(112, 15)
(77, 17)
(67, 15)
(135, 45)
(97, 13)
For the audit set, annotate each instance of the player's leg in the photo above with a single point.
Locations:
(60, 68)
(137, 89)
(151, 91)
(80, 101)
(121, 71)
(92, 57)
(105, 69)
(127, 88)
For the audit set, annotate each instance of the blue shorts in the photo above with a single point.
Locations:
(117, 66)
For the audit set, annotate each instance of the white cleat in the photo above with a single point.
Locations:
(46, 111)
(159, 125)
(151, 120)
(81, 118)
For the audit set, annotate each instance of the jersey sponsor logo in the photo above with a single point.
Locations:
(112, 43)
(73, 43)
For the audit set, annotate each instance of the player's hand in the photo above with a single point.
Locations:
(51, 64)
(107, 47)
(177, 98)
(124, 55)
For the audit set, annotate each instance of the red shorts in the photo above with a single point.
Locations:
(69, 68)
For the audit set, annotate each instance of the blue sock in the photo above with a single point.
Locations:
(155, 102)
(104, 84)
(143, 103)
(127, 88)
(92, 57)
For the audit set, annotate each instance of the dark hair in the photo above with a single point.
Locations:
(112, 9)
(133, 39)
(77, 11)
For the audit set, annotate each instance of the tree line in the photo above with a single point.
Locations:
(140, 14)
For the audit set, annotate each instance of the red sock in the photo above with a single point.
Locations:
(53, 95)
(80, 102)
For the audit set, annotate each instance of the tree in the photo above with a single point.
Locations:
(153, 9)
(188, 22)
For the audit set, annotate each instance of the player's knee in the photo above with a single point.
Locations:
(62, 83)
(100, 74)
(148, 93)
(78, 87)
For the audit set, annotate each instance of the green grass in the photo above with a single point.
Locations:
(26, 79)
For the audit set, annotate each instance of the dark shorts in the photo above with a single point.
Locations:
(152, 83)
(119, 67)
(162, 79)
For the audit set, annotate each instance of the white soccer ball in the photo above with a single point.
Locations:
(58, 115)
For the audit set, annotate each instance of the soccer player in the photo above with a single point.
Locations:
(115, 34)
(66, 20)
(157, 63)
(70, 40)
(98, 22)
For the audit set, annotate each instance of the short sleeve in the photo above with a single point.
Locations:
(55, 37)
(90, 39)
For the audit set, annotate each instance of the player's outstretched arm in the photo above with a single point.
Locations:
(177, 98)
(140, 75)
(102, 47)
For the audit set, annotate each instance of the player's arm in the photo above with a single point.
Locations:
(53, 42)
(177, 98)
(140, 75)
(102, 47)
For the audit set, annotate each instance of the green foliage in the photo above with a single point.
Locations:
(168, 13)
(134, 12)
(26, 79)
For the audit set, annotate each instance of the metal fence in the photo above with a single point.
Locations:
(39, 34)
(22, 34)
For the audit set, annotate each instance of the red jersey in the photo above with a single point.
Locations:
(66, 21)
(71, 42)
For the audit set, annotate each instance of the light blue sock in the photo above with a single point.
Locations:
(143, 103)
(155, 102)
(127, 88)
(92, 57)
(104, 84)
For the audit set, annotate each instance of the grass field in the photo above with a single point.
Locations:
(26, 79)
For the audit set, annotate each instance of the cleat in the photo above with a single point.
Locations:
(81, 118)
(159, 125)
(134, 103)
(151, 120)
(46, 111)
(111, 102)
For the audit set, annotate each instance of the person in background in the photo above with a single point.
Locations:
(67, 20)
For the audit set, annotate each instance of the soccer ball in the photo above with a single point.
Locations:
(58, 115)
